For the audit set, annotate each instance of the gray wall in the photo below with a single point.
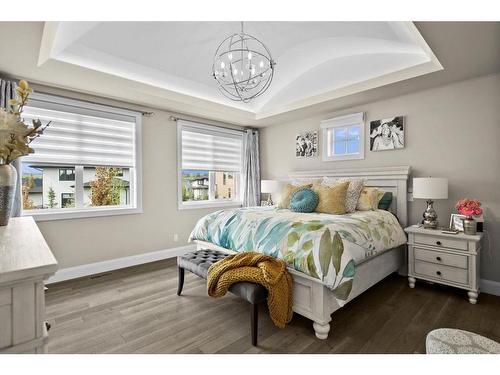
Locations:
(451, 131)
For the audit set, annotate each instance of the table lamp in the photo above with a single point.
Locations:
(430, 188)
(269, 187)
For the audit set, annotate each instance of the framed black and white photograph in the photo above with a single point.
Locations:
(456, 222)
(387, 134)
(306, 144)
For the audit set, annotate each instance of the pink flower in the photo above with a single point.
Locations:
(469, 207)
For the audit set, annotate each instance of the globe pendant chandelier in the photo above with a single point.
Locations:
(243, 67)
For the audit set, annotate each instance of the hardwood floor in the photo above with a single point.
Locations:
(136, 310)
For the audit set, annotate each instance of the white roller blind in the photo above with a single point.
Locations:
(205, 147)
(81, 135)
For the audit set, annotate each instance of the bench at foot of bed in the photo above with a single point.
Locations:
(199, 262)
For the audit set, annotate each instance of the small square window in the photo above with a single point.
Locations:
(343, 138)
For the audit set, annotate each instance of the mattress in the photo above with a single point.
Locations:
(323, 246)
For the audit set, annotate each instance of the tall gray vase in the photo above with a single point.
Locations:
(8, 181)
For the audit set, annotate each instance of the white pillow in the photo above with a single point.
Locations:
(356, 185)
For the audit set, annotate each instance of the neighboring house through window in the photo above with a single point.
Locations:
(344, 138)
(87, 162)
(210, 162)
(66, 174)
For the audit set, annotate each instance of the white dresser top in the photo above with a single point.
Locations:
(23, 251)
(437, 232)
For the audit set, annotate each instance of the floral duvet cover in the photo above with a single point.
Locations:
(326, 247)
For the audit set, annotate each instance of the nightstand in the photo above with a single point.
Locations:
(450, 259)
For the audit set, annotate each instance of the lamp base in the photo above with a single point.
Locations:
(430, 216)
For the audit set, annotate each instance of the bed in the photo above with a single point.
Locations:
(332, 258)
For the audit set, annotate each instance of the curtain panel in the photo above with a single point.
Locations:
(7, 92)
(251, 168)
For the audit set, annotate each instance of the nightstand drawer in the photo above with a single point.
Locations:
(438, 272)
(440, 241)
(439, 257)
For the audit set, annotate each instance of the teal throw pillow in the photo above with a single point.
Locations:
(304, 200)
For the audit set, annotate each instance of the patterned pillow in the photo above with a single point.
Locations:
(331, 199)
(287, 193)
(304, 200)
(369, 198)
(353, 192)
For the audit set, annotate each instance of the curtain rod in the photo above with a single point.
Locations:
(176, 118)
(144, 113)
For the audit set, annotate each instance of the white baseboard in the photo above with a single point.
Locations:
(490, 287)
(114, 264)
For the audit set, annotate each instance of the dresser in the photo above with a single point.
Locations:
(25, 262)
(450, 259)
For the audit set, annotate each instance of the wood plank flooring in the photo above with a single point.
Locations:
(136, 310)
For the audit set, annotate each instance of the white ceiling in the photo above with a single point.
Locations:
(316, 61)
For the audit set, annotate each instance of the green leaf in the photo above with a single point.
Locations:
(343, 290)
(307, 245)
(338, 249)
(314, 226)
(311, 266)
(349, 269)
(292, 238)
(289, 257)
(296, 224)
(325, 252)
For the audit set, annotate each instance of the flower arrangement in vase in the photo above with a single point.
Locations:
(15, 139)
(469, 208)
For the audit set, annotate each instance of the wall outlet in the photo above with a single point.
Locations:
(176, 237)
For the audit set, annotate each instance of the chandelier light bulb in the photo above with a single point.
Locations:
(249, 55)
(222, 65)
(230, 56)
(235, 71)
(261, 64)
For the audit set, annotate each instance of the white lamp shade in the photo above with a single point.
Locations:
(430, 188)
(269, 186)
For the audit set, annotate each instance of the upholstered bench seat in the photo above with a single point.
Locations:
(456, 341)
(198, 262)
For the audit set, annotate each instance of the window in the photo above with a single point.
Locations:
(210, 160)
(87, 162)
(67, 174)
(344, 138)
(67, 200)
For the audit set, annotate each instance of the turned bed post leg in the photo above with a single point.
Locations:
(321, 330)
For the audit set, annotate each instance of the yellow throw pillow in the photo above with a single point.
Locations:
(287, 193)
(331, 198)
(369, 199)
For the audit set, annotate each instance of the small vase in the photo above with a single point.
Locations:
(8, 181)
(469, 225)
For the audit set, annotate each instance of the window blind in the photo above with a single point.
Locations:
(81, 135)
(205, 147)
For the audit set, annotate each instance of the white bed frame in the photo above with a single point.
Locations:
(310, 297)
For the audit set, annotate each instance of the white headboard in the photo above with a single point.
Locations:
(393, 179)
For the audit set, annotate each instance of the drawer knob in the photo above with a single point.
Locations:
(438, 273)
(438, 243)
(438, 258)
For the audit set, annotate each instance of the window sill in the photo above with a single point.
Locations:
(344, 157)
(81, 213)
(212, 204)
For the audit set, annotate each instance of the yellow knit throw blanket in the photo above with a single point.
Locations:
(260, 269)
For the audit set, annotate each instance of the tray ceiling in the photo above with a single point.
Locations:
(316, 61)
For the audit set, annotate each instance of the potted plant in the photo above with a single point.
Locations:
(15, 139)
(469, 208)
